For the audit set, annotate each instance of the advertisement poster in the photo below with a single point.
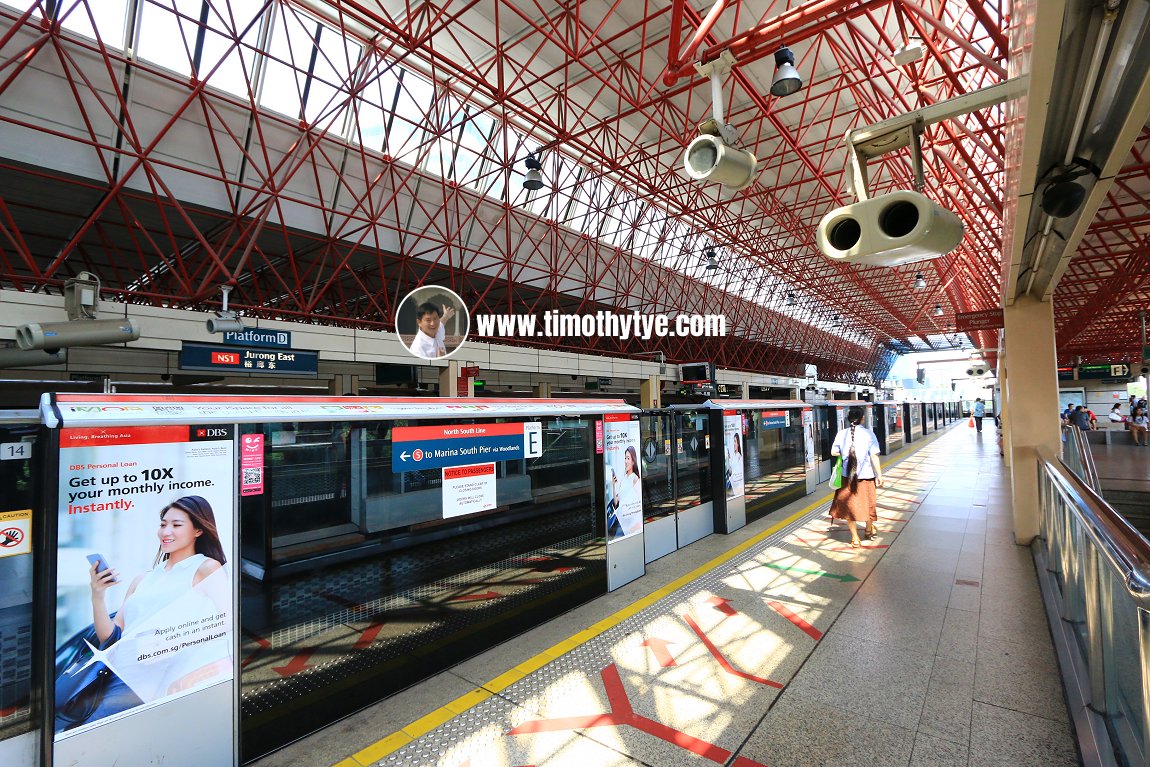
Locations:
(144, 584)
(809, 439)
(624, 485)
(733, 441)
(468, 489)
(252, 464)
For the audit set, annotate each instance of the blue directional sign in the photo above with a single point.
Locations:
(414, 448)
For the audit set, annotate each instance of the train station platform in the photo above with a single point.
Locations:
(777, 645)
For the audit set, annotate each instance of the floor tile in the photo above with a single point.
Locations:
(999, 737)
(1022, 676)
(831, 736)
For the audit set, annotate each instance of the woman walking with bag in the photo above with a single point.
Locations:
(856, 500)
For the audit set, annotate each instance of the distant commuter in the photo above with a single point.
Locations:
(856, 501)
(1080, 418)
(1115, 414)
(1139, 422)
(978, 413)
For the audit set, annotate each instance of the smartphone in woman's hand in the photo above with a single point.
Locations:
(100, 563)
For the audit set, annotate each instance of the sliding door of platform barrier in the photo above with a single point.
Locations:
(623, 499)
(19, 470)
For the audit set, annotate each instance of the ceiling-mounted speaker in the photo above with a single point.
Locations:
(975, 371)
(708, 158)
(1062, 198)
(896, 228)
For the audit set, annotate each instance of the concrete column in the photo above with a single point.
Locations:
(343, 383)
(449, 380)
(746, 390)
(1032, 409)
(651, 393)
(543, 390)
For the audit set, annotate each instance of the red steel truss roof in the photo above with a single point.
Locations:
(325, 158)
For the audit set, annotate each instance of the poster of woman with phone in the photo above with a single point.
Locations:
(624, 491)
(144, 579)
(733, 433)
(189, 554)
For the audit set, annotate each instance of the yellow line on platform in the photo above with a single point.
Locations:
(425, 724)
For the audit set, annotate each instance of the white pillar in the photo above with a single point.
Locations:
(1032, 404)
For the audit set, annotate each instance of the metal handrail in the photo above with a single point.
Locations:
(1126, 549)
(1085, 549)
(1085, 454)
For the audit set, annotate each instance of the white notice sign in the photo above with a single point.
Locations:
(468, 489)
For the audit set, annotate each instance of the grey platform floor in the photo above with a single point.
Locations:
(778, 645)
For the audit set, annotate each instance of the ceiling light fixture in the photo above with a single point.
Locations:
(534, 178)
(712, 259)
(909, 52)
(919, 281)
(938, 312)
(787, 79)
(790, 298)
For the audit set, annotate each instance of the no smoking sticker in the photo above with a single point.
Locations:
(15, 532)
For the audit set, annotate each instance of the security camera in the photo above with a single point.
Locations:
(19, 358)
(891, 229)
(225, 322)
(709, 158)
(57, 335)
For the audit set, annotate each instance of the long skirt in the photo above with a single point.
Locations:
(855, 501)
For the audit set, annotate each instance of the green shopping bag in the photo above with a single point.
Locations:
(837, 474)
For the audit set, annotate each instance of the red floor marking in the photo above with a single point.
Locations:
(722, 605)
(295, 665)
(263, 645)
(723, 662)
(659, 648)
(790, 615)
(475, 597)
(368, 636)
(623, 714)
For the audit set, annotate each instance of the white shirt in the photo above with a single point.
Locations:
(427, 347)
(866, 445)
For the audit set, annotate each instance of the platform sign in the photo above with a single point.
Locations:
(1104, 370)
(776, 419)
(416, 448)
(262, 337)
(155, 506)
(237, 359)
